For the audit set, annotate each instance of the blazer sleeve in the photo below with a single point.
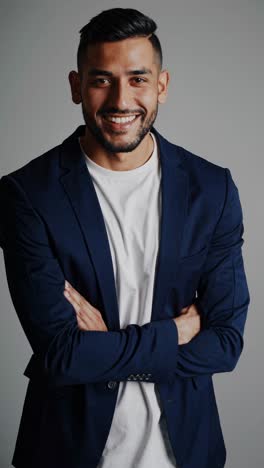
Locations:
(36, 284)
(222, 297)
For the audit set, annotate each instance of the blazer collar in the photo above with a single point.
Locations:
(77, 183)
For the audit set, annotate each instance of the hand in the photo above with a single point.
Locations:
(188, 324)
(88, 317)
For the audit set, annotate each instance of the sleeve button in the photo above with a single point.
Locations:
(112, 385)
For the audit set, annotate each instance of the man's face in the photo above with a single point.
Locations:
(120, 88)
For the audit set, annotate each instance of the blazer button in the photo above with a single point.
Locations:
(112, 384)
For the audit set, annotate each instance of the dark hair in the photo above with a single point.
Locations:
(114, 25)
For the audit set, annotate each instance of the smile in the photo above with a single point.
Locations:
(120, 122)
(120, 119)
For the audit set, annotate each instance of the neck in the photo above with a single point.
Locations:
(117, 161)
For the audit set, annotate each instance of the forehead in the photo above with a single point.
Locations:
(134, 53)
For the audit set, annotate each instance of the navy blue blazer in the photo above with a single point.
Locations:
(52, 229)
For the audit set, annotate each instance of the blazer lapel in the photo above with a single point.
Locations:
(78, 184)
(174, 205)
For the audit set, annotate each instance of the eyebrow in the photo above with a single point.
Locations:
(97, 71)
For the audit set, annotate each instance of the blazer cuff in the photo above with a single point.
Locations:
(166, 350)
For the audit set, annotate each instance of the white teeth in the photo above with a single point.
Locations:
(121, 119)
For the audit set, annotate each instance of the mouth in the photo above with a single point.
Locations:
(123, 122)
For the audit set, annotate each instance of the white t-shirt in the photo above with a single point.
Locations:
(131, 205)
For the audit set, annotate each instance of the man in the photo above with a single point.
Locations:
(124, 264)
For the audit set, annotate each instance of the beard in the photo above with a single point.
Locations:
(98, 134)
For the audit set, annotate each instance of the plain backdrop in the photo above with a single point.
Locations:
(214, 52)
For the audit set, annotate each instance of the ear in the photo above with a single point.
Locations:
(163, 82)
(75, 84)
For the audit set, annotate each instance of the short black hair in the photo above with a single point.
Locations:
(116, 24)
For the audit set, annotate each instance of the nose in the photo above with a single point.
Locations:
(120, 97)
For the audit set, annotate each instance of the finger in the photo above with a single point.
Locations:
(81, 308)
(83, 303)
(81, 324)
(88, 317)
(78, 301)
(79, 298)
(87, 320)
(85, 317)
(72, 300)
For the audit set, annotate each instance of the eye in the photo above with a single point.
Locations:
(139, 80)
(100, 81)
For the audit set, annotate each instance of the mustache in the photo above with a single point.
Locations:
(114, 110)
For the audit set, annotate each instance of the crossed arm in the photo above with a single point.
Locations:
(71, 355)
(89, 318)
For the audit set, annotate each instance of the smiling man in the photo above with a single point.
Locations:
(119, 85)
(124, 263)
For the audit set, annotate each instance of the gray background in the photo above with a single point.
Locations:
(212, 49)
